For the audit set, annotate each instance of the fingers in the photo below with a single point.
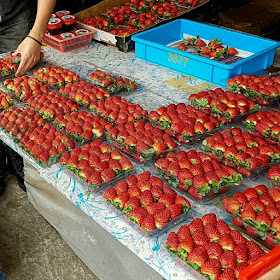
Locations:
(25, 65)
(17, 51)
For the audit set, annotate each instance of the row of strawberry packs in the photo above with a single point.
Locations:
(224, 103)
(147, 203)
(5, 100)
(17, 121)
(241, 150)
(200, 175)
(84, 93)
(257, 210)
(118, 110)
(140, 139)
(81, 126)
(96, 163)
(212, 248)
(263, 89)
(7, 68)
(55, 77)
(24, 87)
(50, 105)
(112, 83)
(264, 124)
(185, 122)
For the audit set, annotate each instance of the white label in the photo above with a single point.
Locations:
(107, 37)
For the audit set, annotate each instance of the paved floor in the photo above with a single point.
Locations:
(30, 248)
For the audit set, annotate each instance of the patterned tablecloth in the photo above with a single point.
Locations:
(152, 93)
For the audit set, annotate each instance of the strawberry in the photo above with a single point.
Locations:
(183, 233)
(276, 224)
(238, 237)
(126, 164)
(121, 186)
(212, 268)
(241, 198)
(197, 257)
(273, 212)
(148, 223)
(199, 238)
(257, 205)
(172, 242)
(250, 193)
(184, 202)
(254, 250)
(110, 194)
(155, 181)
(182, 47)
(239, 268)
(223, 227)
(226, 242)
(146, 198)
(261, 189)
(228, 260)
(107, 175)
(231, 205)
(167, 199)
(248, 216)
(214, 250)
(211, 232)
(275, 195)
(155, 207)
(138, 215)
(157, 192)
(201, 185)
(196, 225)
(176, 210)
(120, 200)
(274, 173)
(227, 274)
(237, 221)
(185, 247)
(185, 177)
(242, 253)
(162, 218)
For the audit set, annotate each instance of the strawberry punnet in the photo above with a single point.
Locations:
(220, 258)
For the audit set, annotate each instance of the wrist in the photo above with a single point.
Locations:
(37, 34)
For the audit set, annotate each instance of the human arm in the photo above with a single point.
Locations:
(29, 48)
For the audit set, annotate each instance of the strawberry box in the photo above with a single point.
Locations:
(5, 100)
(96, 164)
(17, 121)
(241, 150)
(146, 203)
(46, 144)
(265, 90)
(118, 110)
(257, 211)
(50, 105)
(140, 140)
(209, 248)
(7, 68)
(81, 126)
(112, 83)
(185, 122)
(199, 175)
(84, 93)
(154, 46)
(264, 124)
(55, 77)
(24, 87)
(228, 104)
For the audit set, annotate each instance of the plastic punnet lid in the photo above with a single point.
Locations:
(66, 35)
(54, 23)
(81, 31)
(69, 19)
(60, 14)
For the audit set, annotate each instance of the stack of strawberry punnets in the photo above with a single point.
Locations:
(241, 150)
(196, 172)
(258, 211)
(96, 163)
(265, 123)
(7, 68)
(56, 76)
(213, 249)
(112, 83)
(24, 87)
(46, 144)
(147, 201)
(83, 93)
(263, 89)
(273, 175)
(82, 126)
(5, 100)
(118, 110)
(140, 139)
(185, 121)
(17, 121)
(51, 104)
(225, 103)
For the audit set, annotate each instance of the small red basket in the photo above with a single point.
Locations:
(67, 45)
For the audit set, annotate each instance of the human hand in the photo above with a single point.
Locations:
(30, 55)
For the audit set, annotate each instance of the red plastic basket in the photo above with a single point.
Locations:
(67, 45)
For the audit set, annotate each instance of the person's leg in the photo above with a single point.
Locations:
(2, 168)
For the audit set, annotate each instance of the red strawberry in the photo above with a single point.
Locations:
(226, 242)
(209, 218)
(197, 257)
(110, 194)
(138, 215)
(146, 198)
(196, 225)
(212, 268)
(167, 199)
(134, 192)
(223, 227)
(237, 221)
(257, 205)
(228, 260)
(273, 212)
(242, 253)
(185, 247)
(275, 195)
(231, 205)
(157, 192)
(227, 274)
(240, 267)
(263, 221)
(162, 218)
(184, 202)
(155, 207)
(121, 186)
(107, 175)
(148, 223)
(172, 242)
(254, 250)
(251, 193)
(237, 237)
(248, 215)
(274, 173)
(276, 224)
(120, 200)
(183, 232)
(241, 198)
(199, 238)
(214, 250)
(176, 211)
(211, 232)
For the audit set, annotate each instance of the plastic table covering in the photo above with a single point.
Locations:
(151, 78)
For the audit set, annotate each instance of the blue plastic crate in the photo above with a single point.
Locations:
(152, 46)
